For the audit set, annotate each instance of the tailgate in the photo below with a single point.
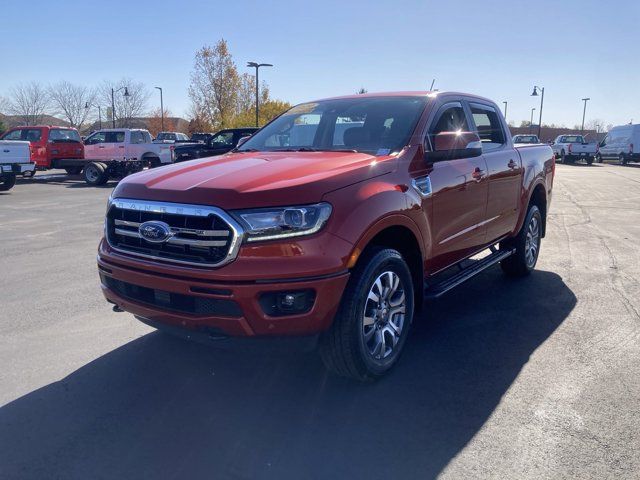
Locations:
(14, 151)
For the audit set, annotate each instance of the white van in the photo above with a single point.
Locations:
(621, 143)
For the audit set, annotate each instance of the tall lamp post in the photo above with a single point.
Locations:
(505, 110)
(584, 112)
(161, 110)
(535, 94)
(113, 103)
(257, 67)
(87, 105)
(531, 121)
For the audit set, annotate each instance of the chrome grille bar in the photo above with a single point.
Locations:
(178, 230)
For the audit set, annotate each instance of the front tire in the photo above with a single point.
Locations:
(589, 160)
(622, 159)
(562, 157)
(373, 320)
(527, 245)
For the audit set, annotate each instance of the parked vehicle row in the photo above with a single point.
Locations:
(329, 223)
(112, 153)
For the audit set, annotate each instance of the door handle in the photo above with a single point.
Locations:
(512, 164)
(100, 146)
(478, 174)
(121, 146)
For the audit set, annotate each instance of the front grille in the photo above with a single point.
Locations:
(177, 302)
(200, 235)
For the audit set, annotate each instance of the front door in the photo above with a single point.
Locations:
(456, 205)
(504, 170)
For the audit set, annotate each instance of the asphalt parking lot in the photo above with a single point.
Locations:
(537, 378)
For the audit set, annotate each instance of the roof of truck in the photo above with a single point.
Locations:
(418, 93)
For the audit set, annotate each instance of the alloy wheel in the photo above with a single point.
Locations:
(384, 315)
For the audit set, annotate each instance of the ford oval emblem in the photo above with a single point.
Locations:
(155, 232)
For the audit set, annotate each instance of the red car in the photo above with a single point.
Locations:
(51, 147)
(333, 221)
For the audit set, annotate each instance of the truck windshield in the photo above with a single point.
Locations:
(375, 125)
(64, 135)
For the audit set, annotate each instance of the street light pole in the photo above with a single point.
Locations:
(584, 112)
(87, 105)
(535, 94)
(505, 111)
(531, 121)
(257, 67)
(161, 110)
(113, 104)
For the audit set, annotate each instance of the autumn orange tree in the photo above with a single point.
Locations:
(154, 124)
(223, 98)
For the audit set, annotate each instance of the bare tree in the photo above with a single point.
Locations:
(126, 107)
(215, 84)
(72, 101)
(28, 101)
(4, 105)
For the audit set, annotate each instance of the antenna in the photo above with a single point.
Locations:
(432, 83)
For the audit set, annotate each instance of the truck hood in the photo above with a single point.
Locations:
(251, 180)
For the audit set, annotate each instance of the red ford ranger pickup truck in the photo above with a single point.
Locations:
(51, 147)
(334, 220)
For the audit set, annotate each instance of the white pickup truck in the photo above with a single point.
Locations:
(15, 159)
(569, 148)
(117, 152)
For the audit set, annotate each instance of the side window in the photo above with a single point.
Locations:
(136, 137)
(223, 140)
(114, 137)
(146, 137)
(488, 126)
(32, 135)
(14, 135)
(450, 118)
(96, 138)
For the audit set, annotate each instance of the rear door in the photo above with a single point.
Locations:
(504, 170)
(457, 194)
(115, 145)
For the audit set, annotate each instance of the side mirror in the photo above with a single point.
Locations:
(242, 140)
(454, 145)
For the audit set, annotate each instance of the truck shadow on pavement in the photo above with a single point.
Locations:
(160, 407)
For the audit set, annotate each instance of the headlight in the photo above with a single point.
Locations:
(283, 222)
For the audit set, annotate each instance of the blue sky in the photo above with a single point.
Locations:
(498, 49)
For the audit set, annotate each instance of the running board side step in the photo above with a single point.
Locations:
(437, 290)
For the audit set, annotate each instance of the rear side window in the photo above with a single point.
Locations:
(136, 137)
(63, 135)
(488, 126)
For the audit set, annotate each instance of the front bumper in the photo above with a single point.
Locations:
(17, 168)
(218, 308)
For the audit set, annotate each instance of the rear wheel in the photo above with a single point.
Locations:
(598, 158)
(562, 157)
(373, 320)
(7, 182)
(589, 160)
(622, 159)
(73, 170)
(95, 174)
(154, 162)
(527, 245)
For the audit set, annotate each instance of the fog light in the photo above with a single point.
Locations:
(277, 304)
